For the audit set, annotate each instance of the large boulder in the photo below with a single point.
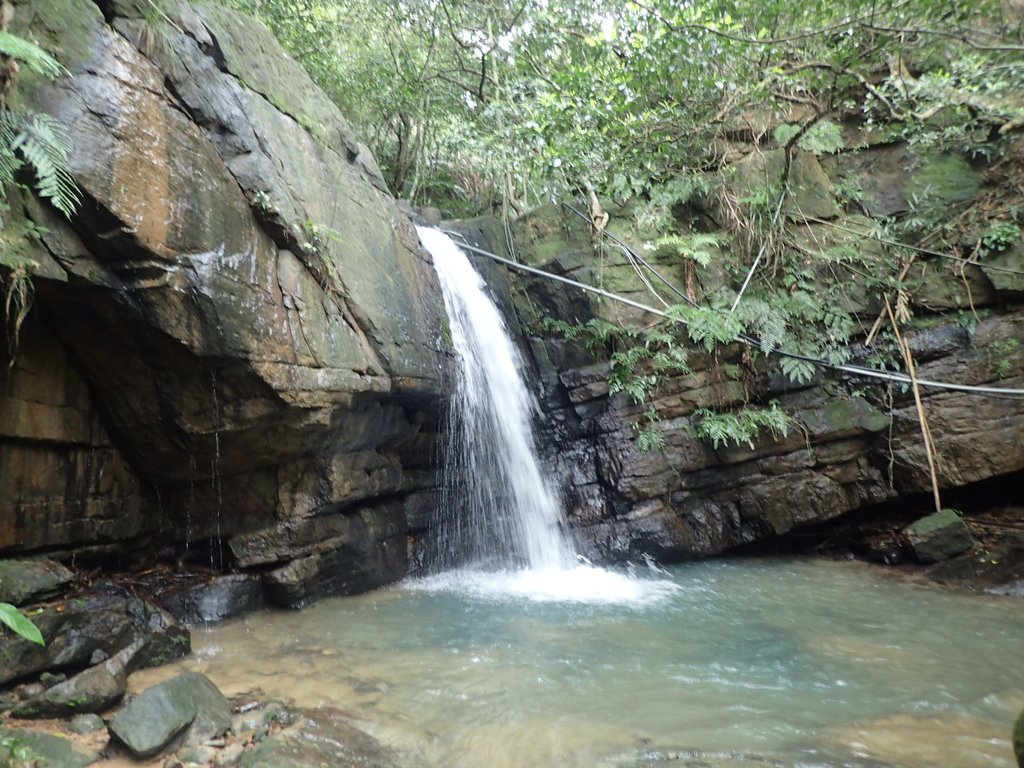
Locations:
(937, 537)
(187, 709)
(245, 330)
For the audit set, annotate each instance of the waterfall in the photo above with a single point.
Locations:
(498, 510)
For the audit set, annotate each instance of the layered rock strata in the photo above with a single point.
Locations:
(236, 339)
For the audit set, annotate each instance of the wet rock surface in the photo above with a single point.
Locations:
(27, 581)
(937, 537)
(48, 749)
(247, 731)
(91, 629)
(996, 567)
(236, 333)
(188, 708)
(321, 737)
(853, 445)
(210, 600)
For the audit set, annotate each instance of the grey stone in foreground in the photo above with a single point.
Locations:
(938, 537)
(85, 723)
(187, 706)
(94, 690)
(49, 751)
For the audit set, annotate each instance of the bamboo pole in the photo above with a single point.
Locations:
(926, 435)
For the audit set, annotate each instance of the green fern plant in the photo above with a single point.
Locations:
(825, 137)
(707, 326)
(29, 141)
(741, 427)
(649, 438)
(694, 246)
(657, 213)
(36, 140)
(30, 55)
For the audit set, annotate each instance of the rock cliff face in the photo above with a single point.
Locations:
(856, 443)
(236, 345)
(236, 341)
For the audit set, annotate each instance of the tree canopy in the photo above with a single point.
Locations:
(519, 100)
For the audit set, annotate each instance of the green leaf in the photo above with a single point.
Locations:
(823, 138)
(14, 619)
(784, 133)
(34, 57)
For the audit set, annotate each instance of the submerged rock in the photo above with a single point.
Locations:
(939, 536)
(188, 706)
(320, 737)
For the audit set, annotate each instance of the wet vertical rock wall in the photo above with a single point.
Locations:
(855, 443)
(236, 341)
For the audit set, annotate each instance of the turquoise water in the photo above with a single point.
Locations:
(803, 662)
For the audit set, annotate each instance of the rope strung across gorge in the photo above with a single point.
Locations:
(856, 370)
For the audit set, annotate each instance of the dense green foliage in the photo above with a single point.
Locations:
(523, 99)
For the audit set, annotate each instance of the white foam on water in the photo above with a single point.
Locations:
(581, 584)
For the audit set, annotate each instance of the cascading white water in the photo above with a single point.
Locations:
(499, 530)
(499, 510)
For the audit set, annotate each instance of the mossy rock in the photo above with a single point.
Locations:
(937, 537)
(943, 180)
(810, 189)
(26, 581)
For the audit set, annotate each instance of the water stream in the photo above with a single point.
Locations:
(499, 529)
(499, 512)
(804, 662)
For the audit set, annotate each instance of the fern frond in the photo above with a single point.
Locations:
(10, 128)
(799, 371)
(45, 148)
(741, 427)
(30, 54)
(650, 440)
(693, 246)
